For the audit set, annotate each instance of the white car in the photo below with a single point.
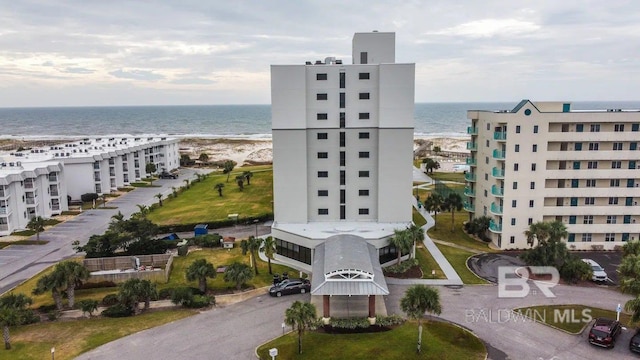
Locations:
(598, 272)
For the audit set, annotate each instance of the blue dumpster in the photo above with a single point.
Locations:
(201, 229)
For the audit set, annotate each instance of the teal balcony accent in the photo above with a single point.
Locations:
(495, 209)
(493, 227)
(497, 154)
(472, 146)
(497, 191)
(471, 177)
(497, 173)
(471, 161)
(499, 135)
(469, 192)
(472, 130)
(469, 207)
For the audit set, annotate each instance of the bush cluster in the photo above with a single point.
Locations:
(165, 229)
(110, 300)
(350, 323)
(89, 197)
(117, 310)
(189, 297)
(402, 267)
(389, 320)
(96, 285)
(207, 241)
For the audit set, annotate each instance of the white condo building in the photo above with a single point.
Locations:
(342, 168)
(544, 161)
(41, 181)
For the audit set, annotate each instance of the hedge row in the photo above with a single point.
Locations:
(163, 229)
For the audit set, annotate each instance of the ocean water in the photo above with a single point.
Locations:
(244, 121)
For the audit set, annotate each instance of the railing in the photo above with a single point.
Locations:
(31, 201)
(499, 135)
(497, 154)
(497, 173)
(469, 192)
(471, 161)
(470, 177)
(472, 146)
(472, 130)
(55, 207)
(4, 227)
(54, 192)
(497, 191)
(4, 210)
(28, 185)
(493, 227)
(469, 207)
(496, 209)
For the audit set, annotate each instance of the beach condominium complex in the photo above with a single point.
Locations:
(342, 149)
(544, 161)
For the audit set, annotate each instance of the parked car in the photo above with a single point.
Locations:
(172, 236)
(167, 175)
(598, 272)
(634, 343)
(290, 286)
(604, 332)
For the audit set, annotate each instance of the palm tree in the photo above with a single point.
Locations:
(430, 164)
(269, 249)
(240, 182)
(228, 168)
(537, 231)
(633, 306)
(13, 309)
(416, 235)
(434, 204)
(51, 282)
(219, 187)
(417, 300)
(238, 273)
(400, 241)
(300, 316)
(147, 290)
(629, 270)
(204, 158)
(144, 210)
(200, 270)
(133, 291)
(150, 168)
(37, 224)
(631, 247)
(452, 203)
(557, 231)
(174, 191)
(88, 306)
(252, 246)
(247, 175)
(73, 273)
(159, 196)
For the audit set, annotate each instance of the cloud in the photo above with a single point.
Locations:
(487, 28)
(136, 75)
(77, 70)
(192, 81)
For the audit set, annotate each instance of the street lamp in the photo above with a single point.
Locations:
(256, 223)
(53, 353)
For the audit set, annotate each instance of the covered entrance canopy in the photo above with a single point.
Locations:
(347, 265)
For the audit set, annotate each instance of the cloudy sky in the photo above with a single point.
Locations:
(97, 52)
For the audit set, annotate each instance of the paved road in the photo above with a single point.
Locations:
(19, 263)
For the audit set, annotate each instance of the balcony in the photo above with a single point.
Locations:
(31, 201)
(472, 130)
(4, 210)
(28, 185)
(497, 154)
(495, 209)
(495, 228)
(472, 146)
(497, 191)
(499, 135)
(4, 227)
(54, 193)
(469, 192)
(469, 207)
(55, 207)
(497, 173)
(471, 177)
(471, 161)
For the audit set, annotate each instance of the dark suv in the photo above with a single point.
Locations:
(604, 332)
(167, 175)
(634, 343)
(290, 286)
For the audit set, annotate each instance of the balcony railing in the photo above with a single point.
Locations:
(472, 130)
(55, 207)
(470, 177)
(497, 191)
(469, 207)
(472, 146)
(499, 135)
(31, 201)
(497, 173)
(469, 192)
(496, 209)
(28, 185)
(493, 227)
(471, 161)
(498, 154)
(4, 210)
(4, 227)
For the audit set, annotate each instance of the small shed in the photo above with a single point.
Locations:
(228, 241)
(201, 229)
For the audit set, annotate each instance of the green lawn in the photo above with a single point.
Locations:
(23, 242)
(446, 176)
(418, 219)
(569, 318)
(442, 231)
(428, 263)
(201, 202)
(74, 337)
(458, 259)
(439, 341)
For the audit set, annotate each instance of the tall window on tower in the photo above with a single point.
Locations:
(343, 80)
(363, 57)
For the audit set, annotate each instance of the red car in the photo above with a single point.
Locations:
(604, 332)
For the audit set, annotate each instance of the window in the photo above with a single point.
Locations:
(363, 174)
(632, 164)
(630, 183)
(513, 221)
(343, 177)
(485, 193)
(530, 221)
(627, 219)
(578, 146)
(614, 183)
(321, 76)
(321, 96)
(533, 167)
(515, 167)
(535, 129)
(293, 251)
(343, 212)
(592, 165)
(635, 127)
(486, 159)
(531, 202)
(587, 219)
(486, 177)
(514, 203)
(532, 185)
(323, 192)
(343, 158)
(517, 129)
(363, 116)
(512, 240)
(363, 76)
(595, 127)
(628, 201)
(323, 136)
(323, 211)
(323, 174)
(363, 57)
(609, 237)
(594, 146)
(574, 201)
(487, 143)
(343, 196)
(616, 164)
(589, 200)
(618, 127)
(535, 148)
(488, 126)
(575, 183)
(613, 201)
(579, 127)
(591, 182)
(363, 135)
(363, 154)
(363, 192)
(515, 185)
(343, 120)
(363, 211)
(517, 148)
(586, 237)
(572, 219)
(617, 146)
(343, 100)
(612, 219)
(322, 116)
(323, 155)
(343, 140)
(363, 96)
(633, 146)
(625, 236)
(342, 80)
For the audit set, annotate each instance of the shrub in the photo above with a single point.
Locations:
(350, 323)
(117, 310)
(89, 197)
(402, 267)
(53, 315)
(182, 296)
(389, 320)
(208, 241)
(88, 306)
(97, 285)
(165, 293)
(30, 317)
(110, 300)
(198, 301)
